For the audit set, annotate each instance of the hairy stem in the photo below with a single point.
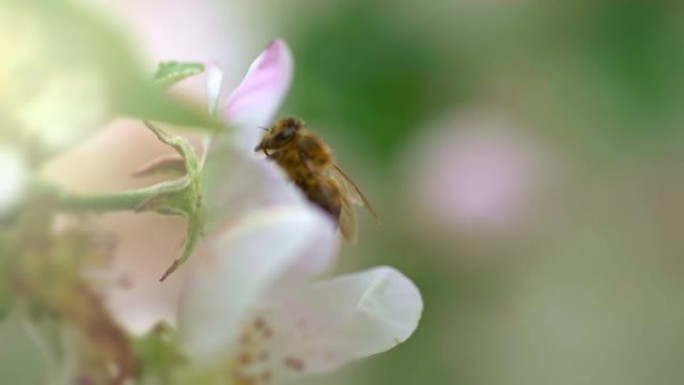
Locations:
(119, 201)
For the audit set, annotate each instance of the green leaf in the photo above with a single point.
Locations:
(171, 72)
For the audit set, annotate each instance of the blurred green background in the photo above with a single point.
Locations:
(555, 130)
(526, 158)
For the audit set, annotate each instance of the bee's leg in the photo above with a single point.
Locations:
(270, 155)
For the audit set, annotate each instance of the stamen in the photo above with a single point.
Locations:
(245, 359)
(294, 363)
(259, 323)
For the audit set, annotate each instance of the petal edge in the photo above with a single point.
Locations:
(257, 99)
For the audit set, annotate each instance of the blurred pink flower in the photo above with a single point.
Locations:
(475, 173)
(249, 294)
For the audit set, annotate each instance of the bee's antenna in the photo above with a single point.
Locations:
(264, 128)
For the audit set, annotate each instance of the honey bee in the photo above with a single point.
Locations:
(308, 162)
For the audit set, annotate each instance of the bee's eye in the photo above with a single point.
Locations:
(285, 134)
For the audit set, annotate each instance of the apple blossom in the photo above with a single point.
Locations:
(251, 301)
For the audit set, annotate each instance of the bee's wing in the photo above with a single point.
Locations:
(347, 220)
(351, 190)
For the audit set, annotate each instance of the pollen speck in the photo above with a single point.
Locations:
(294, 363)
(245, 359)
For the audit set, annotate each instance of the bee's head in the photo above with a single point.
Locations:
(280, 134)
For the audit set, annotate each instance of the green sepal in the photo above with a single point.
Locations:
(182, 197)
(171, 72)
(159, 354)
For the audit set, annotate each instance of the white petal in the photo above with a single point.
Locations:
(239, 265)
(13, 176)
(214, 77)
(380, 307)
(214, 84)
(236, 183)
(333, 322)
(257, 99)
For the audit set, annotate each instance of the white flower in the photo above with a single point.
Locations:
(251, 297)
(251, 300)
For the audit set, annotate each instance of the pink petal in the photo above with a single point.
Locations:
(236, 181)
(257, 99)
(239, 265)
(330, 323)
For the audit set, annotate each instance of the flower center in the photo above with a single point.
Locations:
(258, 358)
